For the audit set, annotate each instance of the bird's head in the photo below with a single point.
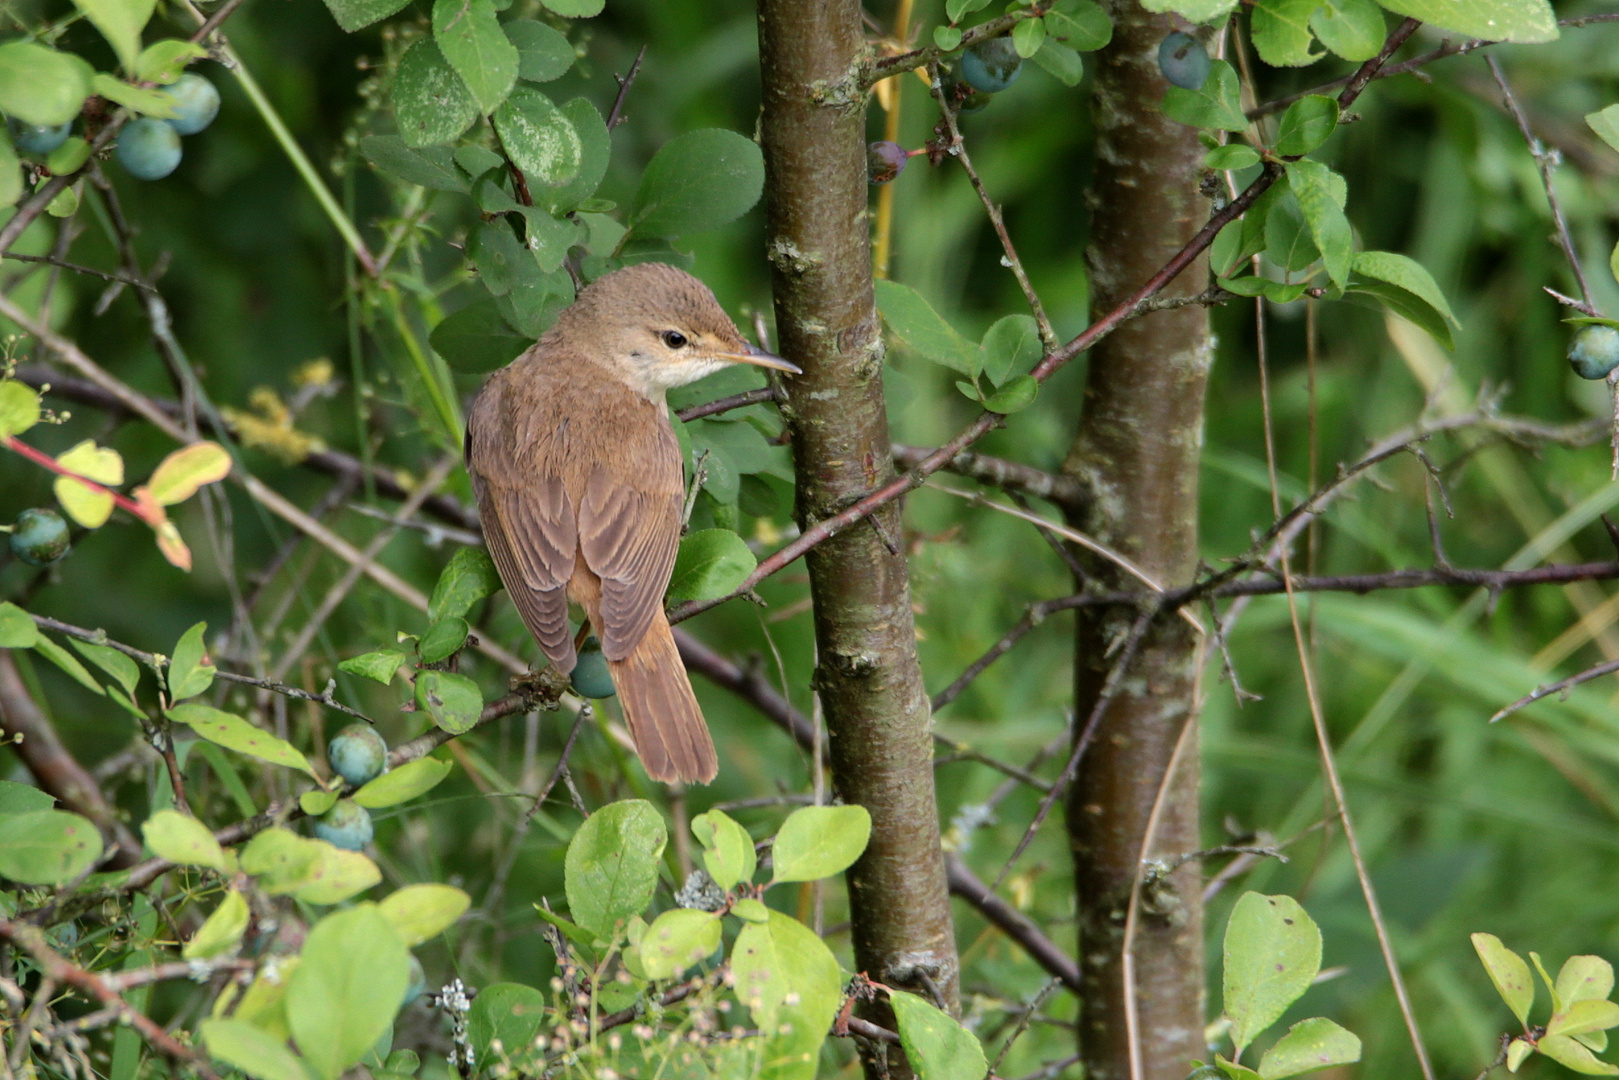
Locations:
(657, 327)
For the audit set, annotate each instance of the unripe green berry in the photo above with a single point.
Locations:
(346, 825)
(1594, 351)
(1184, 61)
(358, 754)
(590, 676)
(991, 66)
(148, 149)
(39, 537)
(196, 103)
(37, 138)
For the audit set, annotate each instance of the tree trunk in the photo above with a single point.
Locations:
(870, 684)
(1137, 450)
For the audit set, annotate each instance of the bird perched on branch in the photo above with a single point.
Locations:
(580, 487)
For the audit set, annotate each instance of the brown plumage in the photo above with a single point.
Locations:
(580, 487)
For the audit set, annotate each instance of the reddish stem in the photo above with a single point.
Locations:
(45, 461)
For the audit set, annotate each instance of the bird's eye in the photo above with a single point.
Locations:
(674, 339)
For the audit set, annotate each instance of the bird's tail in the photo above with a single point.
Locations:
(665, 722)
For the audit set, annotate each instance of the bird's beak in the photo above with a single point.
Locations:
(759, 357)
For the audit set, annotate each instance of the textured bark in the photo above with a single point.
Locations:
(877, 715)
(1137, 451)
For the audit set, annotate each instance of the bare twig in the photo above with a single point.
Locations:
(1557, 687)
(616, 116)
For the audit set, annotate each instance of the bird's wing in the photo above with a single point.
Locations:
(532, 536)
(629, 531)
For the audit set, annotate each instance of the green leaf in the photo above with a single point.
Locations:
(1216, 104)
(612, 865)
(539, 139)
(1231, 156)
(125, 672)
(791, 984)
(818, 841)
(468, 32)
(121, 23)
(165, 61)
(11, 181)
(711, 563)
(234, 733)
(354, 15)
(1584, 1017)
(728, 853)
(19, 405)
(1018, 394)
(316, 801)
(47, 847)
(1062, 62)
(443, 640)
(403, 784)
(750, 910)
(924, 331)
(1522, 21)
(68, 663)
(1518, 1051)
(1281, 32)
(253, 1050)
(1011, 344)
(698, 181)
(1028, 36)
(478, 339)
(595, 149)
(1584, 978)
(1197, 11)
(937, 1046)
(348, 984)
(1352, 29)
(955, 9)
(68, 158)
(188, 674)
(422, 912)
(1272, 954)
(184, 841)
(1275, 291)
(339, 876)
(947, 38)
(1613, 262)
(510, 1013)
(18, 798)
(1570, 1054)
(281, 860)
(17, 630)
(1082, 25)
(1605, 124)
(431, 167)
(380, 665)
(576, 9)
(431, 103)
(453, 701)
(1329, 228)
(1309, 1045)
(1306, 124)
(223, 930)
(543, 54)
(155, 103)
(40, 85)
(466, 580)
(676, 940)
(1404, 286)
(179, 475)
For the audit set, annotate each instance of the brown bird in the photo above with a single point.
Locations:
(580, 487)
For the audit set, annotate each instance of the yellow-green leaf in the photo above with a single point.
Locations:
(90, 507)
(183, 840)
(222, 931)
(402, 784)
(187, 469)
(234, 733)
(19, 403)
(422, 912)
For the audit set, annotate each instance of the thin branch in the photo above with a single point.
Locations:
(1066, 491)
(958, 150)
(58, 969)
(726, 404)
(1012, 922)
(900, 63)
(1546, 161)
(121, 279)
(1607, 668)
(616, 116)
